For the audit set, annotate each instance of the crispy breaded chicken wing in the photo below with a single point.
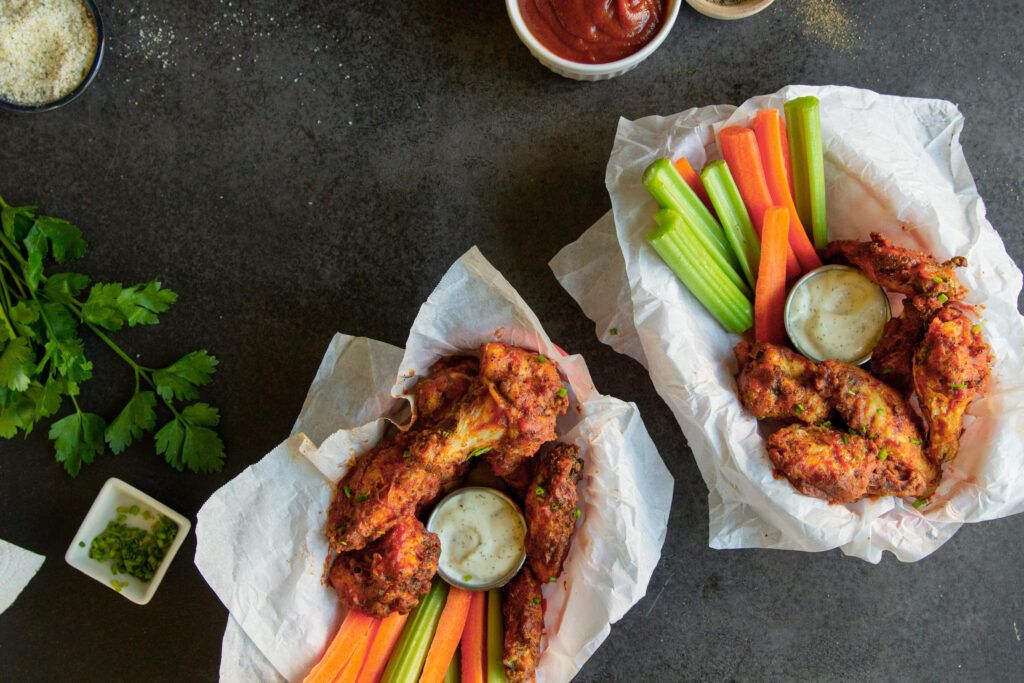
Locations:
(899, 269)
(392, 573)
(383, 486)
(951, 368)
(778, 384)
(877, 412)
(447, 383)
(522, 610)
(823, 462)
(893, 357)
(550, 508)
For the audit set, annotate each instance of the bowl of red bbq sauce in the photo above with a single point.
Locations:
(592, 40)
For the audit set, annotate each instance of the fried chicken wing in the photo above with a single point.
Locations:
(511, 409)
(392, 573)
(550, 508)
(779, 384)
(448, 381)
(951, 368)
(892, 359)
(383, 486)
(823, 462)
(899, 269)
(522, 611)
(878, 412)
(520, 478)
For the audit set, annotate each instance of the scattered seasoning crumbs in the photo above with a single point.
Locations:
(46, 49)
(132, 550)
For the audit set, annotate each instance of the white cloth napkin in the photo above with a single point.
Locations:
(17, 567)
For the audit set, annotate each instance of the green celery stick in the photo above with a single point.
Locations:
(675, 241)
(669, 189)
(495, 638)
(807, 162)
(454, 675)
(410, 653)
(735, 220)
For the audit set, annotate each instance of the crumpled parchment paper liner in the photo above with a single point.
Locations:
(893, 165)
(260, 537)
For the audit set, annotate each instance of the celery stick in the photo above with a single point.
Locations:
(677, 244)
(807, 162)
(454, 675)
(410, 653)
(669, 189)
(495, 638)
(732, 214)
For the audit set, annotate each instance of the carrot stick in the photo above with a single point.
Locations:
(785, 156)
(473, 646)
(355, 664)
(768, 131)
(346, 641)
(682, 165)
(447, 636)
(770, 299)
(380, 649)
(739, 149)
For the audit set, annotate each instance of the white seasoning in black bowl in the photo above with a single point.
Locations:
(47, 48)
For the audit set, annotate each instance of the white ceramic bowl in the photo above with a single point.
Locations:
(114, 494)
(589, 72)
(740, 10)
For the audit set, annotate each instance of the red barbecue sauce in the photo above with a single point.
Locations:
(593, 31)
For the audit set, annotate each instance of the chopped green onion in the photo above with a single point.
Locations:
(883, 454)
(539, 491)
(613, 331)
(846, 438)
(480, 451)
(916, 442)
(937, 280)
(669, 189)
(807, 164)
(410, 652)
(81, 544)
(957, 385)
(576, 513)
(133, 510)
(826, 423)
(536, 601)
(542, 358)
(799, 407)
(942, 298)
(122, 509)
(920, 502)
(563, 392)
(553, 579)
(362, 497)
(132, 550)
(736, 223)
(678, 246)
(976, 329)
(467, 577)
(348, 491)
(406, 453)
(880, 411)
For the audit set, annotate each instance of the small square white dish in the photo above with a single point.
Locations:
(118, 494)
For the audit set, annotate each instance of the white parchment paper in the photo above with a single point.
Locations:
(893, 165)
(261, 544)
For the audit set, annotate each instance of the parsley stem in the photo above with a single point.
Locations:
(14, 250)
(114, 347)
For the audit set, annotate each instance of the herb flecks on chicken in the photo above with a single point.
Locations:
(823, 462)
(523, 615)
(551, 509)
(776, 383)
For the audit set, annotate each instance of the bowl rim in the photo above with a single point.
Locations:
(602, 68)
(90, 75)
(713, 10)
(504, 578)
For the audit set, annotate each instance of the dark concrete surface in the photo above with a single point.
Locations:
(295, 169)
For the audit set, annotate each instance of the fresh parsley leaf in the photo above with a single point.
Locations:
(65, 287)
(68, 358)
(101, 307)
(140, 304)
(65, 239)
(78, 439)
(136, 418)
(17, 220)
(182, 379)
(60, 322)
(188, 441)
(16, 364)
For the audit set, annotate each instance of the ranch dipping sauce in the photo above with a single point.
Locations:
(836, 312)
(483, 537)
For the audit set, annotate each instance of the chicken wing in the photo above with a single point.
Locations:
(893, 357)
(899, 269)
(392, 573)
(523, 614)
(877, 412)
(823, 462)
(951, 368)
(778, 384)
(383, 486)
(551, 509)
(448, 381)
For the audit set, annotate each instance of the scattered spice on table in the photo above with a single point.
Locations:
(46, 49)
(826, 21)
(131, 550)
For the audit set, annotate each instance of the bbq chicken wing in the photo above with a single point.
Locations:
(383, 486)
(877, 412)
(899, 269)
(551, 509)
(823, 462)
(392, 573)
(951, 368)
(523, 614)
(448, 381)
(778, 384)
(893, 357)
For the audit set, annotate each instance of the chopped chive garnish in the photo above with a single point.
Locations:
(880, 411)
(576, 513)
(613, 331)
(957, 385)
(536, 601)
(348, 491)
(920, 502)
(542, 358)
(846, 438)
(826, 423)
(976, 329)
(943, 298)
(81, 544)
(539, 491)
(553, 579)
(133, 510)
(883, 454)
(480, 451)
(467, 577)
(799, 407)
(916, 442)
(937, 280)
(362, 497)
(555, 507)
(406, 453)
(562, 392)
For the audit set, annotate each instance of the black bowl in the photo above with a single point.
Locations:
(81, 87)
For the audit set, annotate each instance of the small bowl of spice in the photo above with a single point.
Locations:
(50, 52)
(729, 9)
(127, 541)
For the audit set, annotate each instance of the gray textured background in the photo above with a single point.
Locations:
(294, 172)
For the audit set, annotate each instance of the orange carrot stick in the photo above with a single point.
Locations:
(682, 165)
(767, 130)
(474, 647)
(346, 641)
(770, 297)
(380, 649)
(447, 636)
(785, 156)
(739, 149)
(355, 664)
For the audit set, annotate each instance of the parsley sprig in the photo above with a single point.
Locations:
(43, 359)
